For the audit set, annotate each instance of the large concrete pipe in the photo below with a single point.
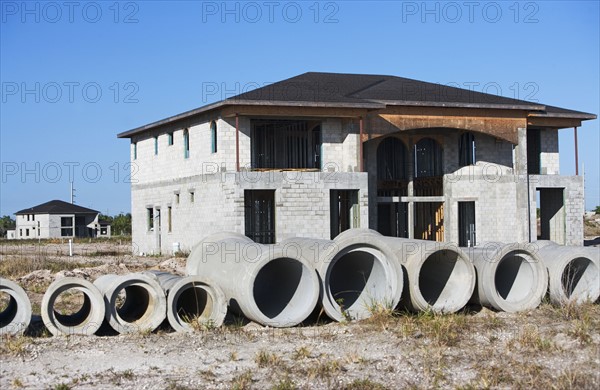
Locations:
(268, 285)
(357, 271)
(440, 276)
(573, 272)
(86, 321)
(16, 316)
(510, 277)
(191, 301)
(134, 302)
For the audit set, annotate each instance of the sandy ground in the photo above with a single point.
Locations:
(548, 347)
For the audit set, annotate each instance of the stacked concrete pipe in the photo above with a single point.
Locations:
(357, 272)
(510, 277)
(15, 318)
(191, 298)
(268, 285)
(440, 276)
(88, 318)
(144, 307)
(573, 272)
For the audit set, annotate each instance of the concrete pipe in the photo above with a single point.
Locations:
(268, 285)
(16, 316)
(134, 302)
(192, 299)
(440, 276)
(86, 321)
(357, 271)
(510, 277)
(573, 272)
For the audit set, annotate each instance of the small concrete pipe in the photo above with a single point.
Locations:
(510, 277)
(16, 316)
(573, 272)
(191, 298)
(440, 276)
(86, 321)
(143, 306)
(267, 284)
(357, 271)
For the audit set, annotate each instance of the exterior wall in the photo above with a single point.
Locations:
(23, 225)
(574, 204)
(490, 183)
(49, 225)
(301, 205)
(494, 191)
(549, 158)
(170, 161)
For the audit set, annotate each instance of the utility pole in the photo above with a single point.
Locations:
(72, 194)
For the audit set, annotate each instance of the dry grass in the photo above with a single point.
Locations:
(14, 345)
(242, 381)
(17, 267)
(267, 359)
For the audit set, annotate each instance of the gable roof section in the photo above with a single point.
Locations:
(369, 92)
(57, 207)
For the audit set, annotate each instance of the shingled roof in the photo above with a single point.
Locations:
(342, 90)
(57, 207)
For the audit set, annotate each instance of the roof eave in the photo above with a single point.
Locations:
(532, 107)
(583, 116)
(234, 102)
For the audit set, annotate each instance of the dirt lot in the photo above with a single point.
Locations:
(549, 347)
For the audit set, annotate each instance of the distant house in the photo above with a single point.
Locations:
(59, 219)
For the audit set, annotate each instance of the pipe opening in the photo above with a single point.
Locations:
(71, 307)
(193, 303)
(357, 279)
(133, 303)
(443, 277)
(8, 309)
(281, 288)
(578, 276)
(514, 277)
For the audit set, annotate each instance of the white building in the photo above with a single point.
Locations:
(57, 219)
(323, 152)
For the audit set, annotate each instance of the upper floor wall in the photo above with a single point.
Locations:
(209, 146)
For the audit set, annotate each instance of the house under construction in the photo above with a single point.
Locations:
(320, 153)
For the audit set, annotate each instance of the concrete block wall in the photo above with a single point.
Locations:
(497, 215)
(302, 205)
(170, 161)
(549, 157)
(574, 204)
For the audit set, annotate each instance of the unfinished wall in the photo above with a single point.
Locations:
(549, 158)
(170, 161)
(574, 204)
(302, 205)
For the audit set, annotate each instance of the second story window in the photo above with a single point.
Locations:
(466, 149)
(155, 145)
(213, 137)
(186, 143)
(428, 158)
(135, 150)
(285, 144)
(170, 138)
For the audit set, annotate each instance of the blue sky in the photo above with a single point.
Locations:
(75, 74)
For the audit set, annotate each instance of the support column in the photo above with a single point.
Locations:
(360, 145)
(237, 143)
(576, 152)
(528, 227)
(410, 188)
